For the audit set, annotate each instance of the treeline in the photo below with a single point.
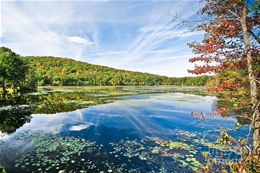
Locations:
(68, 72)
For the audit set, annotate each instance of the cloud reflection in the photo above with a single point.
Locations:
(79, 127)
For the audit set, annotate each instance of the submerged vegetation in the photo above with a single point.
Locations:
(150, 154)
(40, 151)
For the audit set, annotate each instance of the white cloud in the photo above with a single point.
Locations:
(79, 40)
(120, 34)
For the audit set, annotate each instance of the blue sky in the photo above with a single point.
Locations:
(130, 35)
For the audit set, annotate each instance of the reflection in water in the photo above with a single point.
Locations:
(14, 117)
(151, 132)
(12, 99)
(161, 118)
(238, 113)
(79, 127)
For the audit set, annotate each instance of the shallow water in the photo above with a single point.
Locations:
(131, 129)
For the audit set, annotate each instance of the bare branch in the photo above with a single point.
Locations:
(254, 36)
(238, 17)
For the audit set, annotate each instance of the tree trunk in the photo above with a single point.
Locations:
(253, 85)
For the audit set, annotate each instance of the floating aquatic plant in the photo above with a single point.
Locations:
(2, 169)
(173, 145)
(54, 153)
(50, 151)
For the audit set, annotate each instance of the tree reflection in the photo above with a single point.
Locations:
(7, 98)
(14, 117)
(56, 102)
(236, 113)
(65, 102)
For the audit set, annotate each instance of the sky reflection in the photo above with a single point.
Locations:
(130, 118)
(150, 114)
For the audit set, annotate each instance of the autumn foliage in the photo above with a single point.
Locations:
(222, 48)
(230, 50)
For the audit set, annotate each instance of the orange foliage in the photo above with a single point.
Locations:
(223, 51)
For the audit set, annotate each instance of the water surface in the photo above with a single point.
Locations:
(120, 129)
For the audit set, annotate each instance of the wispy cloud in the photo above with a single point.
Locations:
(132, 35)
(79, 40)
(57, 18)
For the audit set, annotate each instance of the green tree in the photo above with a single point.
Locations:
(12, 68)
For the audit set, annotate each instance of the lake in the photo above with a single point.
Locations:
(113, 129)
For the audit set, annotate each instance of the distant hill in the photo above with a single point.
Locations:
(67, 72)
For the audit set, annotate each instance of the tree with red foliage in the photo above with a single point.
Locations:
(231, 43)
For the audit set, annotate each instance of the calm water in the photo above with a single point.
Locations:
(126, 129)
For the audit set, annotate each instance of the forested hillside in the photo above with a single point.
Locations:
(55, 71)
